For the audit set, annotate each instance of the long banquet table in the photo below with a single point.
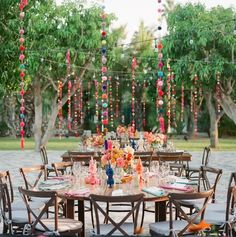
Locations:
(85, 156)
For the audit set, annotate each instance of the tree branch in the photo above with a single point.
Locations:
(51, 82)
(220, 116)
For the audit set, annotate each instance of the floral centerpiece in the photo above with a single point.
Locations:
(154, 139)
(121, 130)
(118, 158)
(98, 140)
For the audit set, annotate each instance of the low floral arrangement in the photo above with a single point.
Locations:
(121, 130)
(98, 140)
(155, 138)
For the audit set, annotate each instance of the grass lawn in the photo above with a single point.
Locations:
(225, 144)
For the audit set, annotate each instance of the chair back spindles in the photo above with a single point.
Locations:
(6, 178)
(44, 155)
(206, 155)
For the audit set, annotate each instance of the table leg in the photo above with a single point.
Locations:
(70, 208)
(160, 211)
(81, 216)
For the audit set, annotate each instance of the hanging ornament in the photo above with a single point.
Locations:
(96, 104)
(173, 101)
(168, 83)
(104, 81)
(81, 104)
(144, 105)
(69, 90)
(59, 101)
(88, 96)
(195, 104)
(218, 93)
(22, 5)
(117, 98)
(75, 103)
(160, 73)
(133, 66)
(182, 103)
(111, 102)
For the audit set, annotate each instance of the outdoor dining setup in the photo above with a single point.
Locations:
(118, 187)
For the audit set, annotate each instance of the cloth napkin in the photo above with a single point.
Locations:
(154, 191)
(79, 192)
(185, 181)
(177, 186)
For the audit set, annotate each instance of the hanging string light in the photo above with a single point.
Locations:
(111, 102)
(195, 104)
(182, 102)
(22, 5)
(59, 101)
(69, 90)
(168, 82)
(81, 105)
(218, 93)
(133, 66)
(160, 74)
(104, 115)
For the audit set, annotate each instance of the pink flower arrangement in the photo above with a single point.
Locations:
(157, 138)
(98, 140)
(121, 130)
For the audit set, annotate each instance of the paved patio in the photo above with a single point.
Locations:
(13, 160)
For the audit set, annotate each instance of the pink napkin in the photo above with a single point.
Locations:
(80, 192)
(177, 187)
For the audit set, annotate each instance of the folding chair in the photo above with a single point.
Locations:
(53, 225)
(116, 227)
(181, 227)
(62, 168)
(44, 157)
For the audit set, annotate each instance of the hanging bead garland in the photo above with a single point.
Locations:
(160, 74)
(144, 123)
(81, 105)
(22, 5)
(173, 101)
(168, 82)
(111, 103)
(75, 103)
(117, 98)
(134, 66)
(218, 93)
(195, 105)
(89, 99)
(182, 102)
(59, 101)
(69, 90)
(104, 115)
(96, 105)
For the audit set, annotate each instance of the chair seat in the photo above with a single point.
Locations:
(162, 228)
(106, 228)
(64, 225)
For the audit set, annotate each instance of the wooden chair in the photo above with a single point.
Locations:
(181, 227)
(62, 168)
(222, 214)
(174, 159)
(53, 225)
(211, 179)
(44, 157)
(13, 220)
(116, 227)
(5, 177)
(193, 172)
(33, 175)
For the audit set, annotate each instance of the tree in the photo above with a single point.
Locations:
(197, 44)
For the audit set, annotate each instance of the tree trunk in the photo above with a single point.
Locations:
(38, 119)
(51, 122)
(228, 106)
(214, 141)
